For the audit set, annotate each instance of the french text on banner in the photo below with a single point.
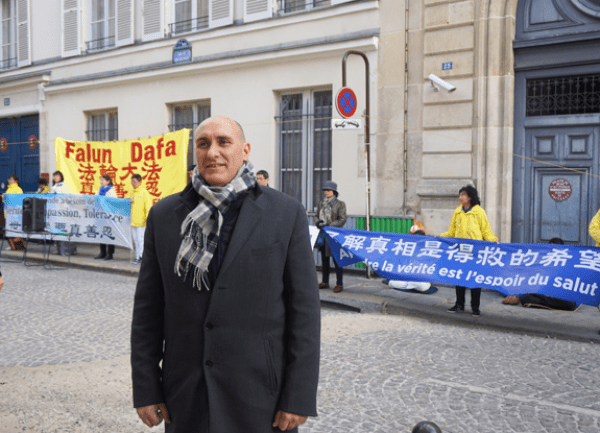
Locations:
(566, 272)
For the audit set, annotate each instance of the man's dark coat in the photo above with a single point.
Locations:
(236, 355)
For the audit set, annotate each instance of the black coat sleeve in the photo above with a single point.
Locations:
(147, 331)
(303, 323)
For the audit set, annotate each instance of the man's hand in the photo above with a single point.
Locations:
(154, 414)
(1, 282)
(288, 421)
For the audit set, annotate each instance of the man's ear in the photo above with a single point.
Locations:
(246, 150)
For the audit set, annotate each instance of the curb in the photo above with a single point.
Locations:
(64, 263)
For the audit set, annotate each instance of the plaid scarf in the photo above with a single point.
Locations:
(201, 228)
(326, 209)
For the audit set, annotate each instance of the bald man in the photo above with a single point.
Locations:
(226, 321)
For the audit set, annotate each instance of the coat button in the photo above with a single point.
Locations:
(209, 326)
(209, 363)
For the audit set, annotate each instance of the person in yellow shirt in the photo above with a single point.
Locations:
(141, 202)
(13, 185)
(594, 228)
(469, 222)
(42, 186)
(13, 188)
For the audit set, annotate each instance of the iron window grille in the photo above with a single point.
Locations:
(190, 16)
(102, 25)
(102, 126)
(189, 116)
(305, 145)
(287, 6)
(563, 95)
(8, 38)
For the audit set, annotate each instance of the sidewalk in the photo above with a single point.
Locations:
(370, 295)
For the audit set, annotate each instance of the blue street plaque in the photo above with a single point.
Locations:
(182, 52)
(6, 101)
(446, 66)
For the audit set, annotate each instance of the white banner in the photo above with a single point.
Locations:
(83, 218)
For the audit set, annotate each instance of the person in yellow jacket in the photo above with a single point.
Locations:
(594, 229)
(13, 185)
(13, 188)
(141, 202)
(469, 222)
(42, 186)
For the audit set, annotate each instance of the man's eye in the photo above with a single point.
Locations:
(201, 144)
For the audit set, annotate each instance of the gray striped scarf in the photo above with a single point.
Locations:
(201, 228)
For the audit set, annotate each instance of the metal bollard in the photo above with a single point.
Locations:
(426, 427)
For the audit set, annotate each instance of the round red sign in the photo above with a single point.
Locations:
(32, 142)
(345, 102)
(560, 189)
(3, 144)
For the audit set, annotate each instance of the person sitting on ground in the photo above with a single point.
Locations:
(542, 301)
(413, 286)
(42, 186)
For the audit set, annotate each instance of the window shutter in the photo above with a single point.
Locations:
(257, 10)
(23, 47)
(337, 2)
(220, 13)
(71, 44)
(124, 26)
(153, 27)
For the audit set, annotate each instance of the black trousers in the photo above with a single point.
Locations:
(339, 272)
(475, 297)
(111, 249)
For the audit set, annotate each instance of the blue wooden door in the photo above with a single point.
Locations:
(21, 154)
(560, 182)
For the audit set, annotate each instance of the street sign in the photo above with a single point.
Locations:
(345, 124)
(345, 102)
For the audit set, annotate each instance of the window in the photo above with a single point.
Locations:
(190, 16)
(301, 5)
(189, 115)
(9, 43)
(563, 95)
(102, 126)
(305, 144)
(102, 21)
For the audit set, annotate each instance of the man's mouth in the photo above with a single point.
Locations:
(215, 165)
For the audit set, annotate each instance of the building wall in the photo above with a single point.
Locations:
(463, 137)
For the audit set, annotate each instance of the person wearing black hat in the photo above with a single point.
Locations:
(191, 171)
(330, 212)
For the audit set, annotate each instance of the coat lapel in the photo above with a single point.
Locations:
(250, 215)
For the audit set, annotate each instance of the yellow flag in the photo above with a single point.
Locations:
(160, 160)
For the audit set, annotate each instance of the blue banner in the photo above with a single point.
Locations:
(566, 272)
(83, 218)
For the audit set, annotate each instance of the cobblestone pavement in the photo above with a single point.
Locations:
(64, 367)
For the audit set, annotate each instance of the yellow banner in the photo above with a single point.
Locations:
(160, 160)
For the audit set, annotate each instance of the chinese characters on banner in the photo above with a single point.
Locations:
(90, 219)
(160, 160)
(566, 272)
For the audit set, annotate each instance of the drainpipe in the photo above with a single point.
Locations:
(405, 144)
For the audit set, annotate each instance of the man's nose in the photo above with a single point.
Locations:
(213, 150)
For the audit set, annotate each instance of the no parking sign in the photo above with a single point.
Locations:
(345, 102)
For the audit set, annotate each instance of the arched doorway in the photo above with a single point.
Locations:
(557, 120)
